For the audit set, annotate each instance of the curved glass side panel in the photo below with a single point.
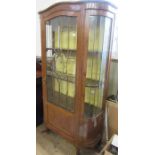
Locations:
(61, 42)
(98, 49)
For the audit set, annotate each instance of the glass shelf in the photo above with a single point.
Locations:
(72, 52)
(70, 78)
(66, 52)
(61, 76)
(61, 100)
(91, 110)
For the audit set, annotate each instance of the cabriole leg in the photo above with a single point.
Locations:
(77, 151)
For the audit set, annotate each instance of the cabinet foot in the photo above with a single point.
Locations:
(45, 130)
(77, 151)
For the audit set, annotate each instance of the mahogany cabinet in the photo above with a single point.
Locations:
(76, 46)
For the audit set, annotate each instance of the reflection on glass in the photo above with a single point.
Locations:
(61, 41)
(98, 48)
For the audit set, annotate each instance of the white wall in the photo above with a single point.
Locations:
(40, 5)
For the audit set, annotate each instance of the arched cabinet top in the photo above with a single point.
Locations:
(79, 6)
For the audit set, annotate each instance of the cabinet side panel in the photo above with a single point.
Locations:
(43, 49)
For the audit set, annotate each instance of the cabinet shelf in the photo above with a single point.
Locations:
(73, 52)
(61, 76)
(61, 100)
(91, 110)
(71, 78)
(92, 83)
(67, 102)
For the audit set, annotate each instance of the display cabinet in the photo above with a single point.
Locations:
(76, 46)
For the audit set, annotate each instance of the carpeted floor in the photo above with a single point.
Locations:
(49, 143)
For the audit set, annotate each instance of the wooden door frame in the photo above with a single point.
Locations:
(97, 12)
(77, 110)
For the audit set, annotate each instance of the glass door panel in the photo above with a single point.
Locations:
(61, 45)
(98, 48)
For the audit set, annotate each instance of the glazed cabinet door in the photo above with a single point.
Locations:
(61, 65)
(98, 31)
(61, 40)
